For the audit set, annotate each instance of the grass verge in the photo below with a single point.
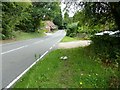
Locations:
(23, 36)
(80, 70)
(69, 39)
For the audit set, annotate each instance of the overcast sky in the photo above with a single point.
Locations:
(63, 11)
(72, 10)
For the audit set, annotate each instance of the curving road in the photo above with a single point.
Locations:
(19, 57)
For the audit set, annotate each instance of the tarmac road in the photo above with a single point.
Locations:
(18, 56)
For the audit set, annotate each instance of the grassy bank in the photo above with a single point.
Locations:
(80, 37)
(80, 70)
(23, 36)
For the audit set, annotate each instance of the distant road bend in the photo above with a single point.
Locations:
(18, 57)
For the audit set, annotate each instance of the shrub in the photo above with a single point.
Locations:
(72, 30)
(107, 48)
(2, 36)
(12, 14)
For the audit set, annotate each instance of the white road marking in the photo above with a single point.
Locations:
(15, 42)
(58, 41)
(25, 71)
(20, 47)
(51, 48)
(29, 68)
(14, 49)
(43, 54)
(37, 42)
(53, 45)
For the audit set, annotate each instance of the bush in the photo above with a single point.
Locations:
(12, 14)
(107, 48)
(72, 30)
(2, 36)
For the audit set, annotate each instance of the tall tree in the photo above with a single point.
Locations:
(58, 21)
(98, 11)
(12, 14)
(115, 10)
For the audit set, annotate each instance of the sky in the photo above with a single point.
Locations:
(62, 9)
(71, 12)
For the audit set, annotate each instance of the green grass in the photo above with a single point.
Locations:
(24, 35)
(68, 39)
(80, 70)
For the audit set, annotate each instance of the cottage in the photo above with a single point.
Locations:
(49, 26)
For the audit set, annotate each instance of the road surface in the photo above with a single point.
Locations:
(18, 56)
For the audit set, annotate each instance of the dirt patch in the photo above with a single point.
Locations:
(7, 41)
(73, 44)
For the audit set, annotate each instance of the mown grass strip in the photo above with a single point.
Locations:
(80, 70)
(23, 36)
(68, 39)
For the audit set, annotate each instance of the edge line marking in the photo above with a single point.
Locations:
(19, 76)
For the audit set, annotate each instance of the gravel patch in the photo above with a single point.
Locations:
(73, 44)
